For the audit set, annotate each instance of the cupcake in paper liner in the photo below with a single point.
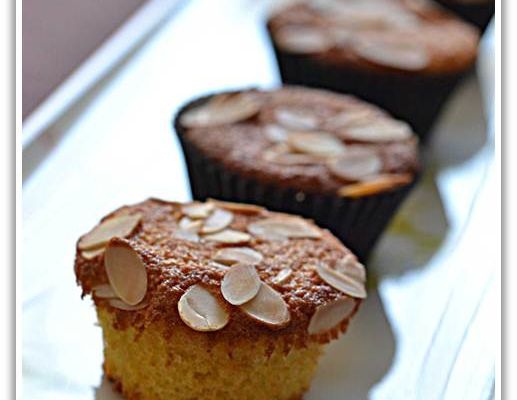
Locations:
(215, 300)
(404, 56)
(344, 163)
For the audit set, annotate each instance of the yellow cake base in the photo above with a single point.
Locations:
(192, 365)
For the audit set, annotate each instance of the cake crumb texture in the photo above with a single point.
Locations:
(193, 365)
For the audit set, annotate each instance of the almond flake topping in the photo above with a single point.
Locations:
(198, 210)
(329, 315)
(189, 236)
(276, 133)
(356, 163)
(118, 226)
(281, 228)
(237, 207)
(104, 291)
(304, 40)
(117, 303)
(380, 130)
(126, 272)
(344, 119)
(351, 267)
(91, 254)
(217, 221)
(375, 185)
(283, 276)
(347, 284)
(200, 310)
(319, 144)
(190, 225)
(234, 255)
(267, 307)
(280, 154)
(404, 55)
(221, 110)
(228, 236)
(240, 284)
(296, 119)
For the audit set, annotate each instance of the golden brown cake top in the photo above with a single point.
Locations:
(222, 268)
(307, 139)
(410, 36)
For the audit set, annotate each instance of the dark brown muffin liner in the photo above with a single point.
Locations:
(357, 222)
(477, 14)
(417, 100)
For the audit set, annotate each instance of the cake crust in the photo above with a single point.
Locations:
(174, 264)
(246, 146)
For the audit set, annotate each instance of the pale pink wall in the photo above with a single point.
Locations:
(58, 35)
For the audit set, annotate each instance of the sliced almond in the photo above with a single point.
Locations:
(117, 303)
(276, 228)
(91, 254)
(219, 266)
(356, 164)
(350, 118)
(228, 236)
(198, 210)
(187, 235)
(190, 225)
(118, 226)
(379, 131)
(276, 133)
(217, 221)
(351, 267)
(104, 291)
(304, 40)
(200, 310)
(346, 284)
(291, 158)
(375, 185)
(400, 54)
(126, 272)
(283, 276)
(237, 207)
(222, 111)
(267, 307)
(296, 119)
(235, 255)
(320, 144)
(341, 35)
(277, 149)
(240, 284)
(329, 315)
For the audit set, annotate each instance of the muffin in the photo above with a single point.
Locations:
(215, 300)
(403, 55)
(333, 158)
(477, 12)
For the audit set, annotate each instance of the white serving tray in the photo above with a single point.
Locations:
(427, 331)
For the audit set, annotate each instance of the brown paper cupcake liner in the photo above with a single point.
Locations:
(357, 222)
(477, 14)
